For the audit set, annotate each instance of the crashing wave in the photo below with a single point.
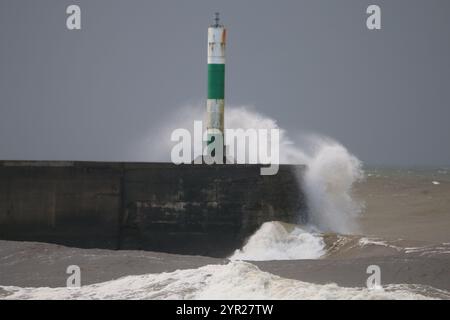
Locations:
(235, 280)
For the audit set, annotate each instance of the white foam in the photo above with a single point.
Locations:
(430, 250)
(376, 242)
(235, 280)
(366, 241)
(277, 241)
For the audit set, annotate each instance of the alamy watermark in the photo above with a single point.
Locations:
(373, 282)
(373, 21)
(73, 21)
(242, 146)
(74, 280)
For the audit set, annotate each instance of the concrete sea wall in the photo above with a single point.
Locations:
(189, 209)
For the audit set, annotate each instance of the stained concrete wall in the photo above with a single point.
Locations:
(191, 209)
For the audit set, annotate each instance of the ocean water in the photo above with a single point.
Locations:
(241, 278)
(235, 280)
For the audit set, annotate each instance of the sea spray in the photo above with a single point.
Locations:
(331, 169)
(330, 174)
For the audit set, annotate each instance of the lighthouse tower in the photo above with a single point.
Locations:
(216, 85)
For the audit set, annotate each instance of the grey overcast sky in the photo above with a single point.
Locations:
(312, 65)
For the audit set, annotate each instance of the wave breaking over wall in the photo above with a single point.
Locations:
(332, 169)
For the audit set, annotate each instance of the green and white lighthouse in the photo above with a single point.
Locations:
(216, 84)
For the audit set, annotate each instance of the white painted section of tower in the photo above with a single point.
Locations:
(216, 45)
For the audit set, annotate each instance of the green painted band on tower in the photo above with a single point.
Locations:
(216, 81)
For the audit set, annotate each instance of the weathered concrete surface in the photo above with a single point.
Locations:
(189, 209)
(67, 203)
